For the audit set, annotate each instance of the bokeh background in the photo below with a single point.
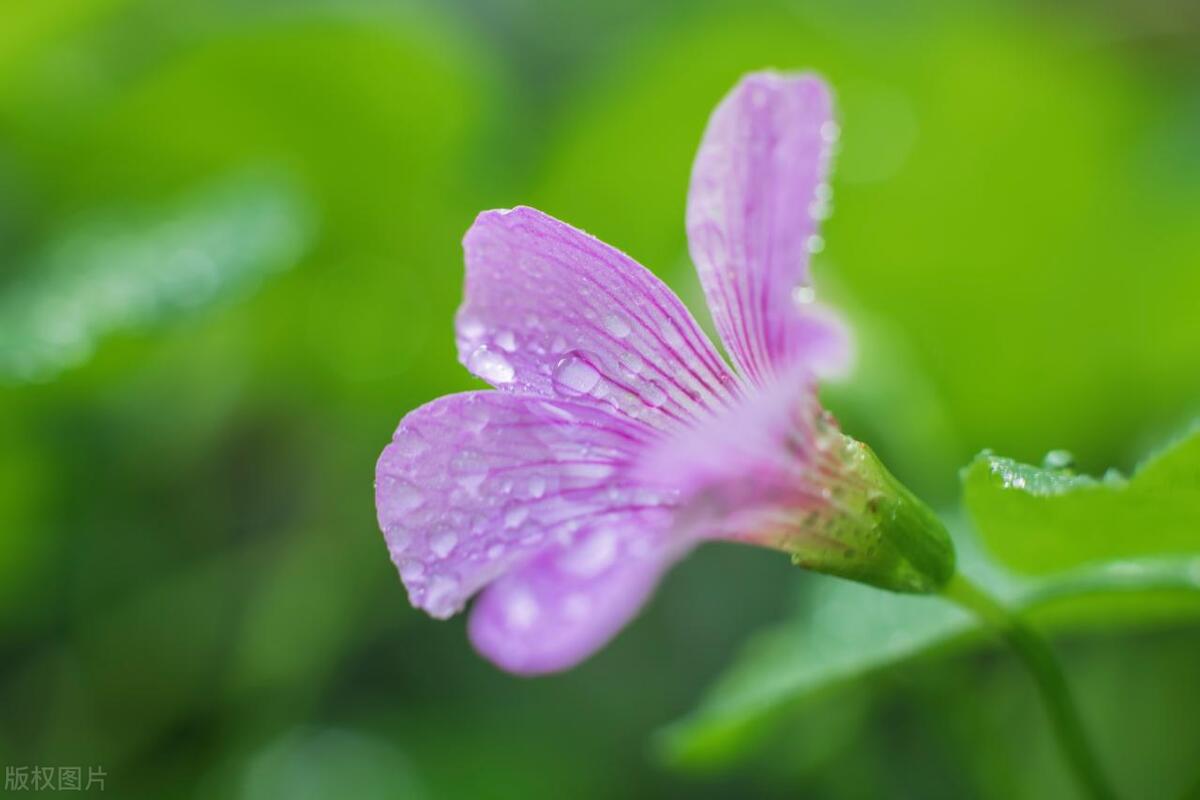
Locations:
(229, 260)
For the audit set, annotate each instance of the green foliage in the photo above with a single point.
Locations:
(846, 632)
(1041, 520)
(193, 589)
(1089, 540)
(113, 273)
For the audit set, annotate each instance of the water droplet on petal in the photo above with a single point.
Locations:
(574, 375)
(409, 444)
(411, 571)
(830, 131)
(441, 587)
(471, 469)
(652, 394)
(803, 295)
(401, 498)
(470, 328)
(506, 340)
(520, 609)
(490, 365)
(495, 551)
(443, 543)
(632, 362)
(814, 243)
(591, 556)
(617, 325)
(515, 516)
(537, 486)
(589, 470)
(671, 334)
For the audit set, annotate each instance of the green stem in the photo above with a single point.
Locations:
(1035, 653)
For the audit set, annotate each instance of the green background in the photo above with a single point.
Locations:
(229, 260)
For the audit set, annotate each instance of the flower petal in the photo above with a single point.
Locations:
(746, 465)
(550, 310)
(757, 192)
(474, 484)
(560, 608)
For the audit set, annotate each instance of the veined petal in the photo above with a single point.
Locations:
(776, 471)
(568, 602)
(552, 311)
(474, 484)
(757, 193)
(744, 467)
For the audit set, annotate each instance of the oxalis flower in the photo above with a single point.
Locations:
(617, 438)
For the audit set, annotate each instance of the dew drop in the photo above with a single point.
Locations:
(470, 329)
(537, 486)
(830, 131)
(819, 209)
(495, 551)
(1058, 459)
(490, 365)
(591, 556)
(574, 375)
(590, 470)
(412, 571)
(409, 444)
(468, 462)
(617, 325)
(515, 516)
(632, 362)
(443, 543)
(441, 588)
(652, 394)
(520, 609)
(506, 340)
(803, 295)
(814, 243)
(472, 482)
(402, 498)
(671, 334)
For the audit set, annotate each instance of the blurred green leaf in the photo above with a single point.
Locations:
(1040, 520)
(850, 631)
(119, 272)
(311, 764)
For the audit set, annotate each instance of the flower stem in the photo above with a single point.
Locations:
(1035, 653)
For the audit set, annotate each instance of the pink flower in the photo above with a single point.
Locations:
(618, 438)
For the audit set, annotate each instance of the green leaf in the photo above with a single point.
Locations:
(1041, 520)
(849, 631)
(115, 272)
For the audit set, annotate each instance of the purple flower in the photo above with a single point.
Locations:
(618, 438)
